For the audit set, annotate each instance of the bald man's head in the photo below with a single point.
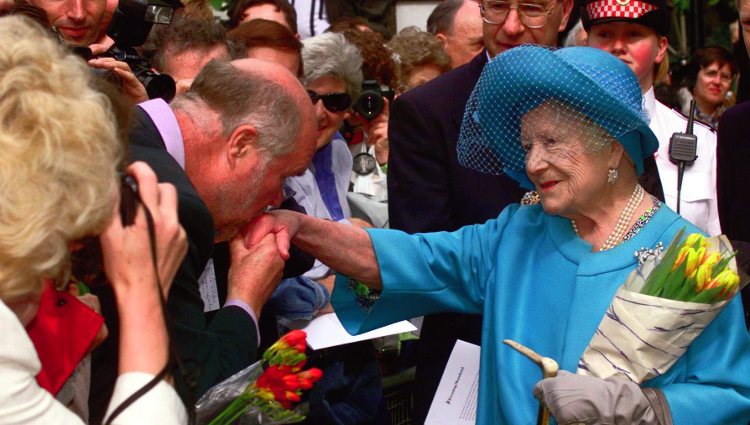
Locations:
(261, 130)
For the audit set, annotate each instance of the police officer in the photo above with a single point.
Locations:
(636, 32)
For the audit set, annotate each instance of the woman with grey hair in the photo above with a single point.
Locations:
(333, 75)
(333, 78)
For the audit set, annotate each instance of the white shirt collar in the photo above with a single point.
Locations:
(649, 103)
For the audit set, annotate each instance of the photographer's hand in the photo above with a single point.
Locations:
(377, 133)
(131, 87)
(99, 49)
(130, 269)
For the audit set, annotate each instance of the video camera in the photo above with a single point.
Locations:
(370, 103)
(131, 23)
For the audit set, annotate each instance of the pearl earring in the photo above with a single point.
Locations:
(612, 176)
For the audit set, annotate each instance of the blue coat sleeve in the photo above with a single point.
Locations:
(425, 273)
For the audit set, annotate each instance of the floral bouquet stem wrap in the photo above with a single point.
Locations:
(265, 392)
(661, 308)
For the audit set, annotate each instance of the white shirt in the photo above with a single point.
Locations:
(307, 194)
(698, 195)
(312, 18)
(23, 401)
(373, 184)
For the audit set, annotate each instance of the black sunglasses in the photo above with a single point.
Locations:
(334, 102)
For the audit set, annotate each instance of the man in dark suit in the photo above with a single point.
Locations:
(732, 170)
(732, 154)
(429, 191)
(220, 144)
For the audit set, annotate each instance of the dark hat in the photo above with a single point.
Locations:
(654, 14)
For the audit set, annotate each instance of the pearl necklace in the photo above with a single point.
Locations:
(621, 226)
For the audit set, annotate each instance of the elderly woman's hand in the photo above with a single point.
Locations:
(127, 250)
(282, 223)
(574, 399)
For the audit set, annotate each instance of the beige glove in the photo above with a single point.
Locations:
(575, 399)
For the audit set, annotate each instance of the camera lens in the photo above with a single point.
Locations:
(369, 105)
(157, 84)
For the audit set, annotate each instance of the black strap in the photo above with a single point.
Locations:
(167, 320)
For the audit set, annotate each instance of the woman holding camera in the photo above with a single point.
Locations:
(59, 152)
(332, 78)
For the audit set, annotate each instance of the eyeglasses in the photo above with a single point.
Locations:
(713, 73)
(531, 15)
(334, 102)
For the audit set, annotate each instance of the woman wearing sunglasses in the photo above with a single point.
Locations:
(333, 78)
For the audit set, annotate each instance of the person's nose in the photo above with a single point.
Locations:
(320, 112)
(513, 27)
(536, 161)
(76, 10)
(617, 46)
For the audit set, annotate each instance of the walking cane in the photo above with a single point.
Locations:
(549, 370)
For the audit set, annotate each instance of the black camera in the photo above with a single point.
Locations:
(131, 23)
(370, 102)
(128, 199)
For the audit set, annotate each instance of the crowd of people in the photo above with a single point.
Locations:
(172, 190)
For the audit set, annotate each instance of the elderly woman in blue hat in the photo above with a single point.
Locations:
(570, 124)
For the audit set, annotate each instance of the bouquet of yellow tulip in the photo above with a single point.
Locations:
(661, 308)
(689, 272)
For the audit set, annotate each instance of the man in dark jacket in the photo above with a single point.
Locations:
(227, 145)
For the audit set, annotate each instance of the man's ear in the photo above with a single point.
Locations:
(242, 142)
(441, 38)
(567, 7)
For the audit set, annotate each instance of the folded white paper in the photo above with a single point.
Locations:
(455, 401)
(327, 331)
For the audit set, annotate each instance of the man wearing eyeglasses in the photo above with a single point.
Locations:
(428, 190)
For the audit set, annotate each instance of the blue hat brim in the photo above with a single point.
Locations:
(571, 84)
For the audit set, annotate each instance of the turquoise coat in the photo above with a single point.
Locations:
(539, 284)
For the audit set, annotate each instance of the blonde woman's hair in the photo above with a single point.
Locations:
(661, 70)
(58, 156)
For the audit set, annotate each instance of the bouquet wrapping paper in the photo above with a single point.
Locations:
(641, 336)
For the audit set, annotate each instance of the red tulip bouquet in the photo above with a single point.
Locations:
(661, 308)
(266, 392)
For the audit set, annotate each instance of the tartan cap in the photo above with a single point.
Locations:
(654, 14)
